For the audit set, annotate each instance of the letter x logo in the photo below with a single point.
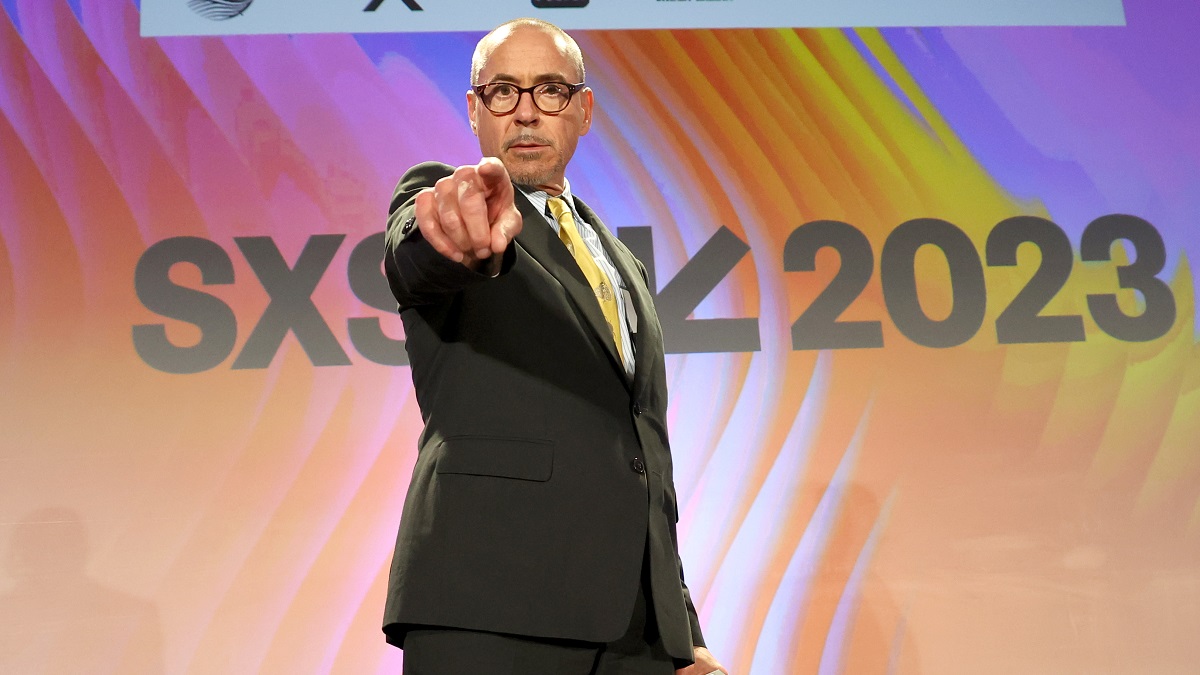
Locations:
(411, 4)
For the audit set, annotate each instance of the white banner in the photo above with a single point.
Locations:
(240, 17)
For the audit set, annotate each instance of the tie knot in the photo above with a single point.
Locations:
(558, 208)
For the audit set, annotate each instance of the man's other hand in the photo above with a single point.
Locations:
(469, 215)
(705, 663)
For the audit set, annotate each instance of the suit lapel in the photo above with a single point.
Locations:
(540, 242)
(648, 331)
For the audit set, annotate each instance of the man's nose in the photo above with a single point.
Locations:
(526, 113)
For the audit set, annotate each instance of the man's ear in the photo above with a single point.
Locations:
(587, 103)
(471, 110)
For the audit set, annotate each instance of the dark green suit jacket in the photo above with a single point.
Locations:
(543, 472)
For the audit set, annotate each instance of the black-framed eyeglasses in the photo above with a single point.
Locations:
(501, 98)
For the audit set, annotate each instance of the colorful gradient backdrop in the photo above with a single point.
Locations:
(984, 508)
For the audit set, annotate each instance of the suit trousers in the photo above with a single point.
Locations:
(432, 650)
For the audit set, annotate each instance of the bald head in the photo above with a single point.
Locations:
(565, 43)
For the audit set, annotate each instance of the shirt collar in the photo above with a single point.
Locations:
(538, 198)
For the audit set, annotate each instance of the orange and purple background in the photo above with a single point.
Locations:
(978, 508)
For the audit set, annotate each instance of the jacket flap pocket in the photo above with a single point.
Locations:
(523, 458)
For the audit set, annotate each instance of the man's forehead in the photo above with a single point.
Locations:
(526, 52)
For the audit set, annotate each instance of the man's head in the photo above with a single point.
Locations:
(534, 146)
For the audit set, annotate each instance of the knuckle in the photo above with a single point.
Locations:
(451, 224)
(429, 229)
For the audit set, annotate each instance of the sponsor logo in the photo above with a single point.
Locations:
(219, 10)
(414, 6)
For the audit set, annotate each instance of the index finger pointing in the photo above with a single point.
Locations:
(493, 173)
(472, 207)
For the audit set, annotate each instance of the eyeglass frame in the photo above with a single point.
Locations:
(571, 90)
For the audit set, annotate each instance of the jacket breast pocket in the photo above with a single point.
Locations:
(520, 458)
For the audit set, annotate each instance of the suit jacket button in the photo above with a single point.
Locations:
(408, 226)
(637, 410)
(638, 465)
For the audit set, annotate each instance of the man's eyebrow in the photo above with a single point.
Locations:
(538, 79)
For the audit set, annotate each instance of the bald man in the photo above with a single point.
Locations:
(538, 534)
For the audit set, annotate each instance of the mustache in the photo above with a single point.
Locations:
(528, 138)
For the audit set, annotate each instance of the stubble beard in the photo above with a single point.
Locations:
(531, 176)
(535, 171)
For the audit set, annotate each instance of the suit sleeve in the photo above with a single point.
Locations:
(693, 616)
(417, 273)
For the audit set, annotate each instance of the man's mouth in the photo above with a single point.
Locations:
(527, 144)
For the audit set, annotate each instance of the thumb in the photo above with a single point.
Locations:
(506, 227)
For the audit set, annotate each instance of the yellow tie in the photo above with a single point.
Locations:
(569, 235)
